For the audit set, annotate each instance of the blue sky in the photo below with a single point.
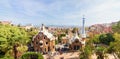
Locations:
(60, 12)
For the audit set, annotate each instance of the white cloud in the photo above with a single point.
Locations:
(71, 11)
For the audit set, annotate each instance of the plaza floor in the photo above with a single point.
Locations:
(69, 55)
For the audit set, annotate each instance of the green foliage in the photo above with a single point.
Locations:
(8, 57)
(31, 55)
(10, 35)
(117, 37)
(106, 38)
(60, 37)
(100, 52)
(87, 51)
(67, 31)
(56, 41)
(22, 48)
(100, 49)
(31, 32)
(101, 44)
(103, 39)
(116, 27)
(97, 44)
(115, 46)
(3, 44)
(95, 39)
(89, 47)
(83, 56)
(75, 30)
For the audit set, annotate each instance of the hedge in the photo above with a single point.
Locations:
(32, 55)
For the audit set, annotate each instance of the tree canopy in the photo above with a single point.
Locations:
(116, 27)
(11, 35)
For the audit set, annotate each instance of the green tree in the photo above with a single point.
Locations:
(87, 51)
(95, 39)
(31, 32)
(116, 27)
(60, 37)
(75, 30)
(106, 38)
(10, 35)
(100, 52)
(32, 55)
(114, 46)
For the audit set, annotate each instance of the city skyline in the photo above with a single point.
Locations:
(59, 12)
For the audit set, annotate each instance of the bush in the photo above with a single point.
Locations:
(106, 38)
(31, 55)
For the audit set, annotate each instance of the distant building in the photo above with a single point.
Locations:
(5, 22)
(29, 26)
(44, 41)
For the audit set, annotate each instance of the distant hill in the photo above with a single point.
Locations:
(105, 28)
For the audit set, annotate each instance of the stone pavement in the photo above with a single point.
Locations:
(69, 55)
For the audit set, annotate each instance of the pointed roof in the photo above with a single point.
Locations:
(45, 32)
(75, 37)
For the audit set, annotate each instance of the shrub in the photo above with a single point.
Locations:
(32, 55)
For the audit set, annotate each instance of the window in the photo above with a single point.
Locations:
(36, 42)
(46, 42)
(38, 37)
(44, 37)
(48, 48)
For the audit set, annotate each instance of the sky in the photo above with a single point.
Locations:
(59, 12)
